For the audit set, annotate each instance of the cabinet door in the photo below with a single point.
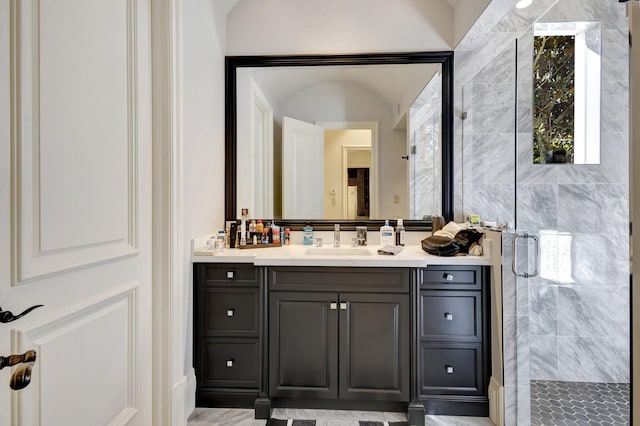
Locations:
(303, 345)
(374, 346)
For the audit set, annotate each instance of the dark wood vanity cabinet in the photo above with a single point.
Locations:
(343, 337)
(340, 334)
(228, 306)
(453, 332)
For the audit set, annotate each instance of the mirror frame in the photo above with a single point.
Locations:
(445, 58)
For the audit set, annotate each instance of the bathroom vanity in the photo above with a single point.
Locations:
(284, 328)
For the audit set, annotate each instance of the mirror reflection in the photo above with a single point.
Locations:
(339, 142)
(566, 77)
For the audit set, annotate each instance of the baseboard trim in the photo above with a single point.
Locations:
(496, 402)
(183, 398)
(190, 393)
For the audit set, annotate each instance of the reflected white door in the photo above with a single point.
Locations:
(75, 210)
(302, 170)
(352, 202)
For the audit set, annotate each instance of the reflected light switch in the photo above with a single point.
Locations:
(396, 199)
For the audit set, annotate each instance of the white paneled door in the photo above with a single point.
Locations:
(302, 169)
(75, 211)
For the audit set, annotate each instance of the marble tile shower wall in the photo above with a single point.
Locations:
(576, 315)
(425, 129)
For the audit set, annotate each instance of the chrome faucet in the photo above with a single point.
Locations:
(336, 235)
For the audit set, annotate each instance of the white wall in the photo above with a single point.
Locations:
(339, 26)
(338, 101)
(465, 15)
(203, 131)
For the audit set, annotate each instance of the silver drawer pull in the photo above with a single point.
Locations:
(343, 306)
(230, 363)
(231, 312)
(448, 316)
(448, 277)
(449, 369)
(230, 275)
(333, 306)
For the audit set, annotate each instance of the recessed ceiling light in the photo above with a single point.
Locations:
(523, 3)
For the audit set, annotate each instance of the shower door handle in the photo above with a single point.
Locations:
(514, 257)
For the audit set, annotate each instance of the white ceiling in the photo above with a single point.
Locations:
(392, 83)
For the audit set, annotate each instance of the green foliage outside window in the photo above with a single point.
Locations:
(553, 98)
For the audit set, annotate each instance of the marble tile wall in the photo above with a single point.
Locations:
(425, 133)
(575, 314)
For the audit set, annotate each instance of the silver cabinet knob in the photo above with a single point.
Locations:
(448, 277)
(231, 312)
(230, 275)
(343, 306)
(333, 306)
(230, 363)
(448, 316)
(449, 369)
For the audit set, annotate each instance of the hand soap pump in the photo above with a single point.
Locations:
(387, 235)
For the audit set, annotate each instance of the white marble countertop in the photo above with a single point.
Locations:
(296, 255)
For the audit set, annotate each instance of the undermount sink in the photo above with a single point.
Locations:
(331, 251)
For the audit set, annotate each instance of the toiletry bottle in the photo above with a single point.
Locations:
(307, 235)
(387, 237)
(259, 227)
(243, 230)
(287, 236)
(220, 241)
(400, 233)
(275, 230)
(233, 235)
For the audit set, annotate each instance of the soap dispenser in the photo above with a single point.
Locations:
(387, 235)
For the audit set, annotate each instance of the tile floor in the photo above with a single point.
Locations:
(242, 417)
(576, 404)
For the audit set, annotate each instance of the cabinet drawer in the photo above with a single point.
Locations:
(452, 369)
(388, 280)
(227, 363)
(451, 316)
(450, 277)
(235, 273)
(228, 311)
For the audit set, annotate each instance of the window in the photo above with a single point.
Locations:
(566, 93)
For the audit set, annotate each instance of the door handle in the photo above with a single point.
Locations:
(21, 377)
(7, 316)
(11, 360)
(514, 257)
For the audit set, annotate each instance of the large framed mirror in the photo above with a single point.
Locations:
(303, 144)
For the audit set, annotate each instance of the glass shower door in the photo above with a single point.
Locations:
(572, 316)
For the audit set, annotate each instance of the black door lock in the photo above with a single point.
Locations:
(7, 316)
